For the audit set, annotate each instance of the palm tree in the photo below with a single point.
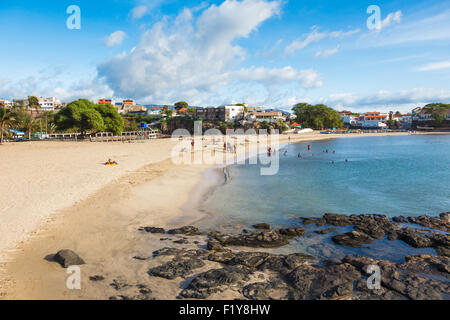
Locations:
(5, 119)
(33, 102)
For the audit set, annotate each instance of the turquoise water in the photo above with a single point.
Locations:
(392, 175)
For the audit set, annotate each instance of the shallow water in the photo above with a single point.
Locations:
(392, 175)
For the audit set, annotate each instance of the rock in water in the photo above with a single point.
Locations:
(292, 232)
(262, 226)
(354, 239)
(266, 239)
(67, 258)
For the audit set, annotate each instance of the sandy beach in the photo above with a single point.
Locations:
(58, 195)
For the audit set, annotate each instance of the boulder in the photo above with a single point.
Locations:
(292, 232)
(262, 226)
(354, 239)
(67, 258)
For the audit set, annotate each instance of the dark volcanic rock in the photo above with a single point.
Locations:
(371, 229)
(181, 241)
(180, 252)
(284, 264)
(354, 239)
(268, 239)
(179, 267)
(262, 226)
(119, 284)
(275, 289)
(325, 231)
(222, 256)
(404, 279)
(67, 258)
(96, 278)
(427, 264)
(332, 282)
(214, 245)
(292, 232)
(187, 230)
(249, 259)
(216, 280)
(415, 238)
(337, 220)
(152, 230)
(443, 251)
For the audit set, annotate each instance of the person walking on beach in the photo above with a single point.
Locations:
(192, 144)
(224, 147)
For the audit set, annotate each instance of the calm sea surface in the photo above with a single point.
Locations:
(392, 175)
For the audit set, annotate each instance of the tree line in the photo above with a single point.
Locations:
(317, 116)
(81, 116)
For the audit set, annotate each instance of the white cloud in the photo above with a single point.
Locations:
(315, 36)
(435, 66)
(195, 57)
(139, 11)
(417, 28)
(326, 53)
(384, 100)
(53, 84)
(394, 17)
(116, 38)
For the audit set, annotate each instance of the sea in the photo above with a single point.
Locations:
(393, 175)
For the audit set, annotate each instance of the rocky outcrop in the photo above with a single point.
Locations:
(262, 226)
(313, 283)
(216, 280)
(187, 231)
(152, 230)
(292, 232)
(354, 239)
(267, 239)
(178, 267)
(404, 280)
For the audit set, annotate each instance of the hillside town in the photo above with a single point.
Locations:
(41, 123)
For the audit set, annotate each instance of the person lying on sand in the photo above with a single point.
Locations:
(111, 163)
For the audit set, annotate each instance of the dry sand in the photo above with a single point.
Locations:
(58, 195)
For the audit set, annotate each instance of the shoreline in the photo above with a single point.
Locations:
(160, 174)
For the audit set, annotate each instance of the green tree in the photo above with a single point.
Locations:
(6, 118)
(33, 103)
(438, 118)
(112, 120)
(317, 116)
(181, 105)
(80, 115)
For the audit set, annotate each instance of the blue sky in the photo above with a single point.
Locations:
(273, 53)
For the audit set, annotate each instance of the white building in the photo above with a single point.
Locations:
(373, 120)
(49, 104)
(234, 113)
(271, 117)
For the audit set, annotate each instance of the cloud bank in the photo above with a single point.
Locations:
(193, 56)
